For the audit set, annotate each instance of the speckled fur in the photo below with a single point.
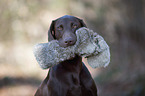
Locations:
(89, 44)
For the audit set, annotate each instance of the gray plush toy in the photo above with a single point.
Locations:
(89, 44)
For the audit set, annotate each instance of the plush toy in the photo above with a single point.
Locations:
(89, 45)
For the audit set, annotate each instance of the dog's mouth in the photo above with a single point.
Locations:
(72, 58)
(65, 45)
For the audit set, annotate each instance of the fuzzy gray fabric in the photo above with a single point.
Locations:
(89, 44)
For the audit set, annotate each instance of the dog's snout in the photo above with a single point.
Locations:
(69, 41)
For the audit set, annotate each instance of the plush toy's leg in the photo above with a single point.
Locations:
(87, 83)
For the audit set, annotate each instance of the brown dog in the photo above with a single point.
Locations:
(70, 77)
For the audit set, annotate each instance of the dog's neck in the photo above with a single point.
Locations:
(74, 64)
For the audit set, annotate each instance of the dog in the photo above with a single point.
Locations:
(70, 77)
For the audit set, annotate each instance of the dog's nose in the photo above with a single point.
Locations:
(69, 41)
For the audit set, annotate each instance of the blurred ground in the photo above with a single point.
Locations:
(24, 23)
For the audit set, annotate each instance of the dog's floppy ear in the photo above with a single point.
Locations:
(82, 23)
(51, 31)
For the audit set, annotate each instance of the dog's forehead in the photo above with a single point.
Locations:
(66, 19)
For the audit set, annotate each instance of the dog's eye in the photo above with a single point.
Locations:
(74, 26)
(60, 28)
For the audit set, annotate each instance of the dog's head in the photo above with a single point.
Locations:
(63, 29)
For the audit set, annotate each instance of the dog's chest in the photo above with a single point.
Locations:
(74, 91)
(75, 87)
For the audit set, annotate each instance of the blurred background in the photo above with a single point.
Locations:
(24, 23)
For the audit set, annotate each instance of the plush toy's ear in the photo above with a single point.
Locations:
(51, 31)
(82, 23)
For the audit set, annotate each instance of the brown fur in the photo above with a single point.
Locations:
(70, 77)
